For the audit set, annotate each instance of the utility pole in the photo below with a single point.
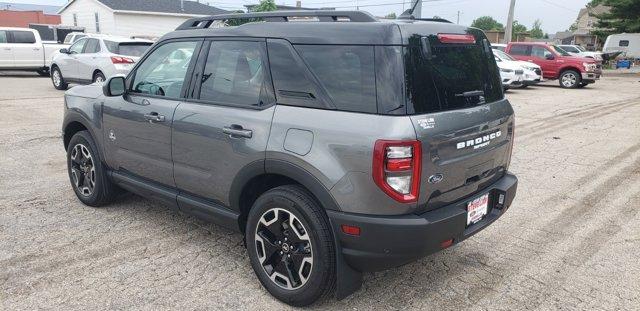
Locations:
(458, 21)
(509, 31)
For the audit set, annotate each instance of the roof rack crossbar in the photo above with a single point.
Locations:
(280, 16)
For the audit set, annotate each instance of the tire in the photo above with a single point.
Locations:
(582, 84)
(43, 72)
(307, 244)
(87, 173)
(98, 77)
(58, 80)
(570, 79)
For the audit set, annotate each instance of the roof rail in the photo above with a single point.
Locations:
(281, 16)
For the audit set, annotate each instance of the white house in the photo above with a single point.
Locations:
(133, 17)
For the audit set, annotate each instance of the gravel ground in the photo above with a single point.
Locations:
(571, 240)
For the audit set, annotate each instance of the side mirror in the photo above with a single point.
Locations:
(549, 56)
(115, 86)
(64, 51)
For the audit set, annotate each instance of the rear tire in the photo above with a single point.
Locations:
(58, 80)
(87, 173)
(43, 72)
(290, 246)
(98, 77)
(570, 79)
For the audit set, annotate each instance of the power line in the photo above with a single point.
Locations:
(560, 6)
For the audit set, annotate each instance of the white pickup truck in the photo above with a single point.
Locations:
(23, 49)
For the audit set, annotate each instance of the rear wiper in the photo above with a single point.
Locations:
(471, 94)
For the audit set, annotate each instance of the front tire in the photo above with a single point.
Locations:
(58, 80)
(290, 246)
(43, 72)
(570, 79)
(87, 174)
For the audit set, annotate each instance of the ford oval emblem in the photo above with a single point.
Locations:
(434, 179)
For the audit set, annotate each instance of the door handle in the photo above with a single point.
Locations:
(154, 117)
(36, 49)
(7, 49)
(236, 131)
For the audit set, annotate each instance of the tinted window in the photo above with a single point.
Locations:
(540, 52)
(136, 49)
(517, 49)
(77, 47)
(623, 43)
(346, 72)
(290, 78)
(234, 73)
(92, 46)
(3, 36)
(162, 73)
(23, 37)
(390, 80)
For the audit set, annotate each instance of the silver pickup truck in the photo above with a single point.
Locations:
(23, 49)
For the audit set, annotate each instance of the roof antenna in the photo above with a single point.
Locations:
(408, 14)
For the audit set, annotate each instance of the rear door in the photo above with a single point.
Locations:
(459, 114)
(225, 127)
(6, 52)
(27, 52)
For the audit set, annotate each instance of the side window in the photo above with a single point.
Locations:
(3, 36)
(517, 49)
(234, 73)
(623, 43)
(92, 46)
(77, 47)
(290, 80)
(26, 37)
(163, 72)
(539, 52)
(346, 72)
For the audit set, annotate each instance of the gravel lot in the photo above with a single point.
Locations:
(571, 240)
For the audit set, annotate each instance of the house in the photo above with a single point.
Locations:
(298, 6)
(584, 25)
(586, 21)
(133, 17)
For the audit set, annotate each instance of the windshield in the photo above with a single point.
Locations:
(581, 49)
(503, 55)
(560, 51)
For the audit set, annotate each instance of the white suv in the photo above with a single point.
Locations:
(95, 58)
(532, 73)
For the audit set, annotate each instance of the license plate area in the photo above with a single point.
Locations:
(477, 209)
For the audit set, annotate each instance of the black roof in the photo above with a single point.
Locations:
(163, 6)
(363, 28)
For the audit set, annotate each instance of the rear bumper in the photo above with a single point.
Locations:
(390, 241)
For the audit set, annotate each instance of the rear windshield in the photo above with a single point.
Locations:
(135, 49)
(448, 76)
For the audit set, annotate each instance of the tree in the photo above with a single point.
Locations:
(487, 23)
(517, 29)
(263, 6)
(623, 16)
(536, 30)
(390, 16)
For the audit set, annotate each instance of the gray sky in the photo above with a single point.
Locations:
(555, 15)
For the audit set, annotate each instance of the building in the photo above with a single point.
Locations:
(11, 18)
(298, 6)
(587, 20)
(497, 36)
(585, 23)
(133, 17)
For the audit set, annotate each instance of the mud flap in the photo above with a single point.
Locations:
(348, 280)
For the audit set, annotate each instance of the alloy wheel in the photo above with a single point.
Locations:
(83, 170)
(99, 79)
(283, 246)
(569, 79)
(57, 79)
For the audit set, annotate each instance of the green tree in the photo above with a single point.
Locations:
(536, 30)
(263, 6)
(623, 16)
(390, 16)
(487, 23)
(517, 29)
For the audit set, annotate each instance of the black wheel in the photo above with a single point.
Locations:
(290, 246)
(87, 173)
(98, 77)
(43, 72)
(57, 79)
(570, 79)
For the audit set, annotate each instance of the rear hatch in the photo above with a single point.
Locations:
(459, 113)
(130, 49)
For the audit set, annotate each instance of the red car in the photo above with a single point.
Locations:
(571, 71)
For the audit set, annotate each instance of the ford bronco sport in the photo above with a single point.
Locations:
(337, 145)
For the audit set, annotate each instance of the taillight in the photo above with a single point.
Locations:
(456, 38)
(121, 60)
(396, 168)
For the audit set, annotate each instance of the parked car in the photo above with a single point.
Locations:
(94, 58)
(511, 73)
(532, 73)
(23, 49)
(356, 145)
(628, 44)
(571, 71)
(72, 37)
(577, 50)
(499, 46)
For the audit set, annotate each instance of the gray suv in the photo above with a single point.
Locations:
(334, 142)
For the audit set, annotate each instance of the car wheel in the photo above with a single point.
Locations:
(98, 77)
(290, 245)
(58, 80)
(43, 72)
(570, 79)
(87, 173)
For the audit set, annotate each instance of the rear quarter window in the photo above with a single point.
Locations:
(347, 73)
